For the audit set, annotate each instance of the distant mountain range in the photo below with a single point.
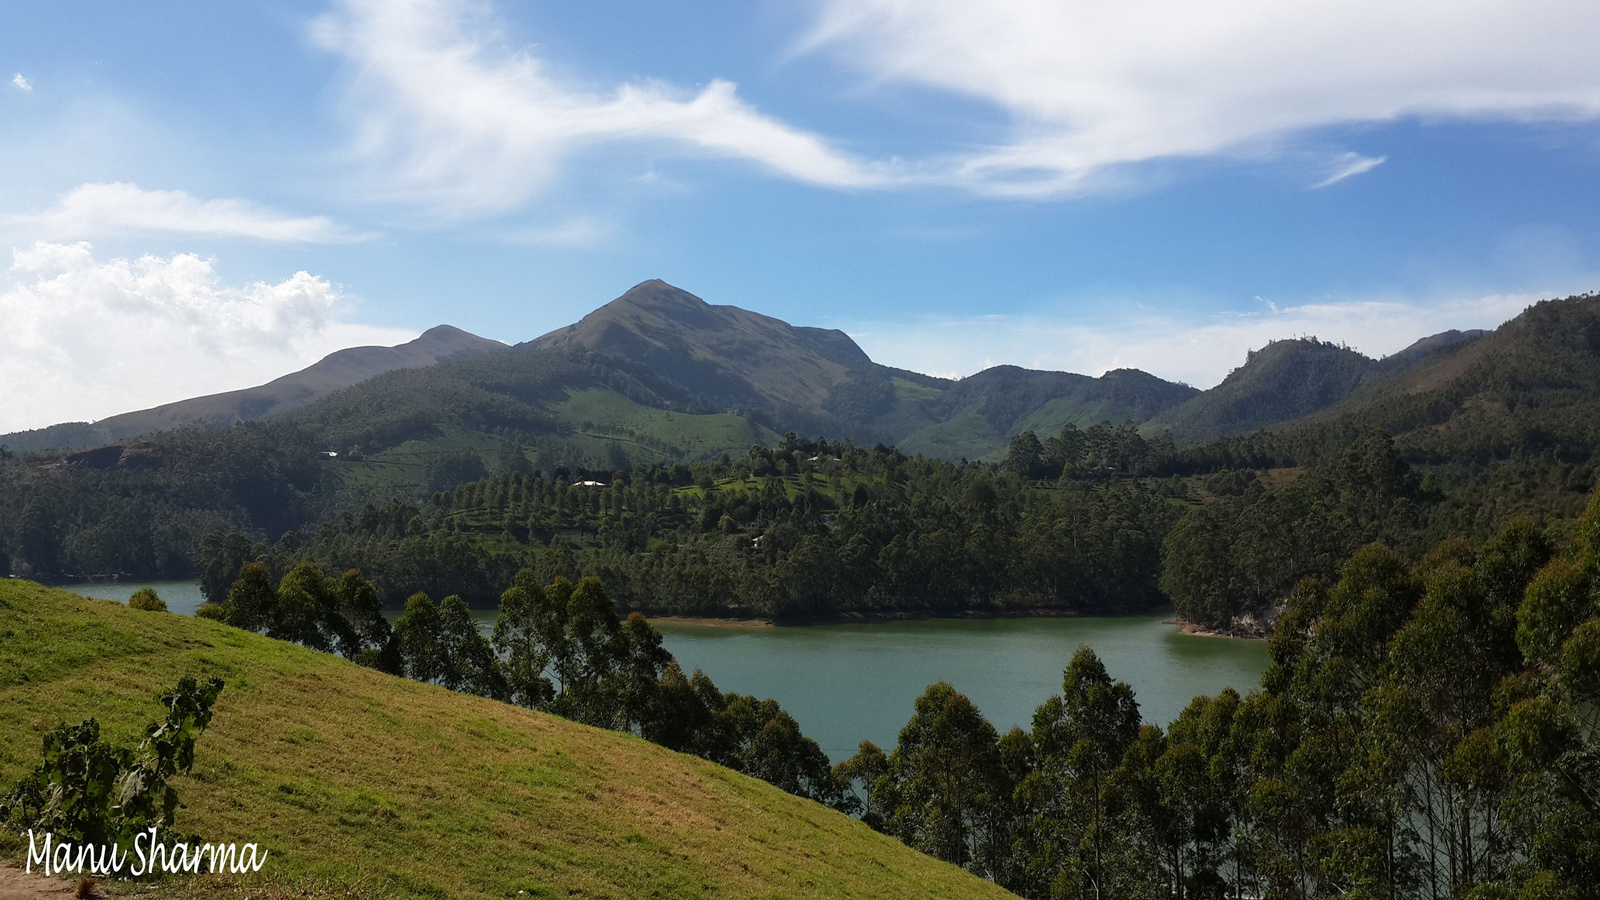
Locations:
(339, 369)
(659, 373)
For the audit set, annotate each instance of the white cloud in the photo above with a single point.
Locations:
(1090, 87)
(94, 210)
(87, 339)
(1349, 165)
(22, 83)
(461, 123)
(1197, 350)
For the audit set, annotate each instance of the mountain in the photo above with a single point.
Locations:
(1530, 387)
(818, 380)
(337, 370)
(976, 416)
(1415, 354)
(659, 374)
(718, 351)
(1289, 379)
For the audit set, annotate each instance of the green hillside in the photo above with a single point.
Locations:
(1532, 386)
(351, 776)
(1290, 379)
(339, 369)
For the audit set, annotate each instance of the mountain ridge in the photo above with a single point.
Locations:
(660, 348)
(339, 369)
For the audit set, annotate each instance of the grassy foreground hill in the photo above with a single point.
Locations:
(350, 776)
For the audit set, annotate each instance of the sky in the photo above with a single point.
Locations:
(202, 196)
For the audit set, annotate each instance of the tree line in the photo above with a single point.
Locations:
(1101, 519)
(556, 647)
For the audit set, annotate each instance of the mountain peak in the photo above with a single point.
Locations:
(716, 351)
(442, 331)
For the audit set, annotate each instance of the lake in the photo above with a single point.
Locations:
(181, 596)
(846, 683)
(843, 683)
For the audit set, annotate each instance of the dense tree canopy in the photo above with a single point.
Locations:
(1424, 731)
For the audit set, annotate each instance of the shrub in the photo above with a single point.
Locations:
(214, 611)
(87, 791)
(147, 599)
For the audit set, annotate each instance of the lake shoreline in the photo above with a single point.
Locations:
(1242, 629)
(879, 616)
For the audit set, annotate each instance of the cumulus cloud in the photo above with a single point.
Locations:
(459, 122)
(23, 84)
(1091, 87)
(86, 339)
(1197, 350)
(95, 210)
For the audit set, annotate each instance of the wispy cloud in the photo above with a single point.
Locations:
(581, 233)
(86, 339)
(1091, 88)
(94, 210)
(1199, 350)
(456, 121)
(1349, 165)
(22, 83)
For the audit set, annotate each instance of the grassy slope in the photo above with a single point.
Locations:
(964, 434)
(344, 772)
(699, 436)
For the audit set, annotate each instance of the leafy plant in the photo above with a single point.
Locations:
(87, 791)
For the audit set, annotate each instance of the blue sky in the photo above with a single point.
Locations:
(201, 196)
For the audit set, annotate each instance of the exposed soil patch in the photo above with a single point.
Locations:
(15, 884)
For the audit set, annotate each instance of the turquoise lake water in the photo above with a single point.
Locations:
(845, 683)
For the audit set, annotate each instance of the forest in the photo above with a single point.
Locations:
(1096, 520)
(1088, 521)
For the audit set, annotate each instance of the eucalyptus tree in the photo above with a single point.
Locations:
(943, 790)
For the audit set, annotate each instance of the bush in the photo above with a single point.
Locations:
(147, 599)
(214, 611)
(87, 791)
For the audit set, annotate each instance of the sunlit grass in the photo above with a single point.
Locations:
(362, 784)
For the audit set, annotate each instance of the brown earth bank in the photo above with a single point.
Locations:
(711, 622)
(1247, 628)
